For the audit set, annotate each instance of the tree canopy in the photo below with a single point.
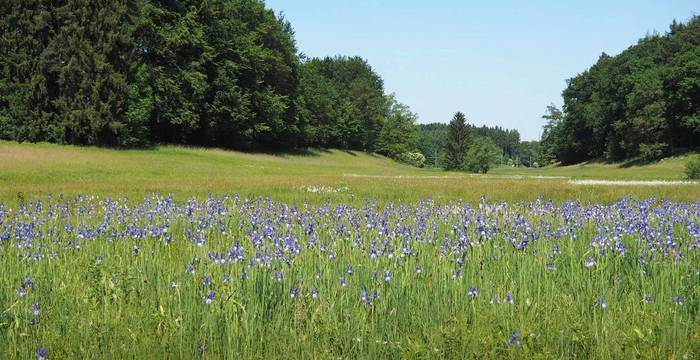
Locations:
(345, 105)
(644, 102)
(223, 73)
(399, 134)
(483, 153)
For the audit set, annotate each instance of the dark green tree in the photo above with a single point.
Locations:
(64, 72)
(221, 73)
(530, 154)
(458, 139)
(344, 103)
(550, 136)
(483, 154)
(400, 133)
(432, 139)
(641, 103)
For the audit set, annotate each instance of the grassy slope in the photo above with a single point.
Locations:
(666, 169)
(30, 170)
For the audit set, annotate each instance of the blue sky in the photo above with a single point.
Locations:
(499, 62)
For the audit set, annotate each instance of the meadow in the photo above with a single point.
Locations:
(331, 254)
(32, 170)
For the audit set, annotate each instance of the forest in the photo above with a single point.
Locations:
(228, 73)
(223, 73)
(643, 103)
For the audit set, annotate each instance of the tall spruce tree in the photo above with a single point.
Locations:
(91, 52)
(459, 136)
(63, 72)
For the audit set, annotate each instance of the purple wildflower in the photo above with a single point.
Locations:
(210, 298)
(364, 297)
(473, 293)
(509, 298)
(457, 274)
(419, 268)
(590, 262)
(515, 339)
(42, 354)
(27, 283)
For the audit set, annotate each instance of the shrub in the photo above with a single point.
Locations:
(692, 168)
(482, 155)
(412, 158)
(650, 152)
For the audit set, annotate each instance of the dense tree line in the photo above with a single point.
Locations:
(435, 142)
(644, 102)
(225, 73)
(344, 103)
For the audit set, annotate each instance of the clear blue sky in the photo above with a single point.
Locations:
(499, 62)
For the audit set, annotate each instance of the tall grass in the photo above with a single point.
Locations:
(130, 279)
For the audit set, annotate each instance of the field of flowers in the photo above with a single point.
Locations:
(230, 277)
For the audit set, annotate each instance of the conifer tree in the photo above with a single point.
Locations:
(458, 139)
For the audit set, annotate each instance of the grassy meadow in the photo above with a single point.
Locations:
(31, 170)
(331, 254)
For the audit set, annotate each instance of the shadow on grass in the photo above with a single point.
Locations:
(282, 153)
(637, 162)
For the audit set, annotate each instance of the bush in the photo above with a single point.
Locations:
(482, 155)
(412, 158)
(692, 168)
(650, 152)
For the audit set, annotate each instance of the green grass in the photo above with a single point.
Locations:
(30, 170)
(125, 307)
(671, 168)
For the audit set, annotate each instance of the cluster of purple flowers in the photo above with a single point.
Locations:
(261, 237)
